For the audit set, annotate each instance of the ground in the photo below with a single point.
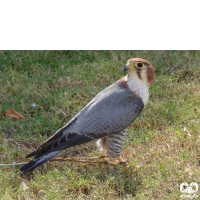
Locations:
(50, 87)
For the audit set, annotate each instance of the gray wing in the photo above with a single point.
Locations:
(111, 111)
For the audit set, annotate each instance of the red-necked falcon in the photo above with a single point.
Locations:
(104, 119)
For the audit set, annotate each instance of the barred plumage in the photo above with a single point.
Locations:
(112, 144)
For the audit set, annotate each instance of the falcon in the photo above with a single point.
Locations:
(104, 119)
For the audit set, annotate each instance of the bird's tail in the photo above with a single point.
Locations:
(38, 161)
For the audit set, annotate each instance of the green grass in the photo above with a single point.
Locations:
(162, 147)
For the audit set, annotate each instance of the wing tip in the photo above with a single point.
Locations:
(31, 154)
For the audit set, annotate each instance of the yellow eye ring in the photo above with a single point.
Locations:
(139, 65)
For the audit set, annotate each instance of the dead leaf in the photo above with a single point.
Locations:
(12, 113)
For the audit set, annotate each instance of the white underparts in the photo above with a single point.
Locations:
(100, 145)
(139, 86)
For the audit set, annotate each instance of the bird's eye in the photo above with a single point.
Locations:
(139, 65)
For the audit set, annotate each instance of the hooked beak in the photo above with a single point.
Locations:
(126, 68)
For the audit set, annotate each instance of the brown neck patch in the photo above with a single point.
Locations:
(150, 74)
(123, 81)
(139, 74)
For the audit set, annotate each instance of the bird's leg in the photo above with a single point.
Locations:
(112, 145)
(118, 160)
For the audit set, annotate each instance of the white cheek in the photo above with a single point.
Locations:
(139, 85)
(126, 77)
(144, 76)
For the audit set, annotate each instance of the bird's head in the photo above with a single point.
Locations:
(141, 69)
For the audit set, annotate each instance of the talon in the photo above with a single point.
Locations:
(118, 160)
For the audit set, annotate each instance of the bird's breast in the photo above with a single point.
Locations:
(140, 89)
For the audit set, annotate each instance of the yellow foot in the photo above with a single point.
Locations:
(118, 160)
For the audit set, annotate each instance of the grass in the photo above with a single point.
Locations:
(162, 147)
